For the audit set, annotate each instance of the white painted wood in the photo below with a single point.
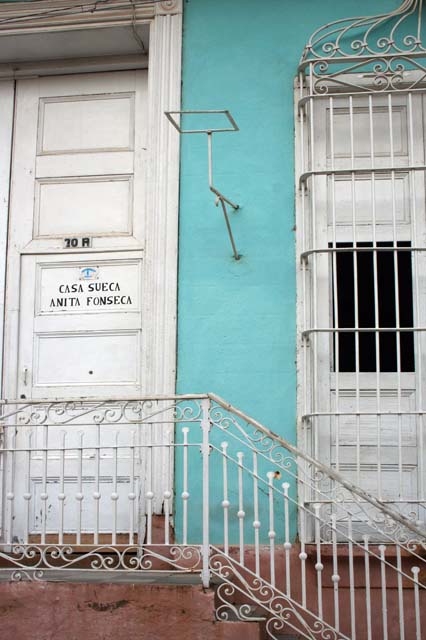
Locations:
(71, 44)
(81, 164)
(6, 119)
(45, 210)
(153, 227)
(163, 199)
(81, 337)
(83, 64)
(86, 123)
(35, 171)
(343, 215)
(74, 206)
(80, 320)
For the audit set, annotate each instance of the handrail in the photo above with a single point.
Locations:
(159, 397)
(334, 475)
(331, 473)
(82, 491)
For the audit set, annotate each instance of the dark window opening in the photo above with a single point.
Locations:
(388, 295)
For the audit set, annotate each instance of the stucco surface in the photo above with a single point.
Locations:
(237, 320)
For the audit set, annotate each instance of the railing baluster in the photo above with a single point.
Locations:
(287, 543)
(114, 494)
(415, 571)
(79, 495)
(61, 495)
(271, 532)
(241, 513)
(141, 454)
(400, 593)
(351, 579)
(97, 493)
(367, 587)
(303, 556)
(318, 565)
(10, 494)
(256, 521)
(225, 501)
(382, 550)
(167, 495)
(335, 578)
(28, 494)
(185, 492)
(132, 492)
(44, 495)
(149, 495)
(205, 451)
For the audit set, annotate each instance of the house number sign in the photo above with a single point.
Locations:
(77, 243)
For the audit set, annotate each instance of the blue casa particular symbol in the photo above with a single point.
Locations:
(88, 273)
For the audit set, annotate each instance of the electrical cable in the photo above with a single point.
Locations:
(135, 33)
(90, 7)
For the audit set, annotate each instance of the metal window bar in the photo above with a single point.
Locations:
(359, 148)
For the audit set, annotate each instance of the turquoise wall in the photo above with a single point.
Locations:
(236, 320)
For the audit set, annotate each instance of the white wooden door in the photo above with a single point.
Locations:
(77, 178)
(370, 382)
(74, 286)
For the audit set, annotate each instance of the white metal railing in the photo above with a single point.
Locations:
(283, 535)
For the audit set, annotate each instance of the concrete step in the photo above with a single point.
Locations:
(87, 611)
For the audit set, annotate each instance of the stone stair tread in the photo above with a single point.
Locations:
(115, 577)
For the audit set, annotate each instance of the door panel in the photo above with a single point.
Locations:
(78, 165)
(75, 124)
(74, 206)
(81, 324)
(77, 171)
(75, 310)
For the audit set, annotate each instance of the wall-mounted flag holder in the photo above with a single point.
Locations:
(220, 198)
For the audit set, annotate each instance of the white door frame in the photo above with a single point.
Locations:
(6, 124)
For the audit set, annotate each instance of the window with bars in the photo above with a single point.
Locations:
(362, 286)
(382, 277)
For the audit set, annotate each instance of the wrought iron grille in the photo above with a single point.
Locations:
(362, 253)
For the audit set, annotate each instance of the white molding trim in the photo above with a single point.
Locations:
(161, 248)
(163, 201)
(95, 64)
(53, 15)
(7, 98)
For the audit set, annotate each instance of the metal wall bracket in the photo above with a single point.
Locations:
(220, 198)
